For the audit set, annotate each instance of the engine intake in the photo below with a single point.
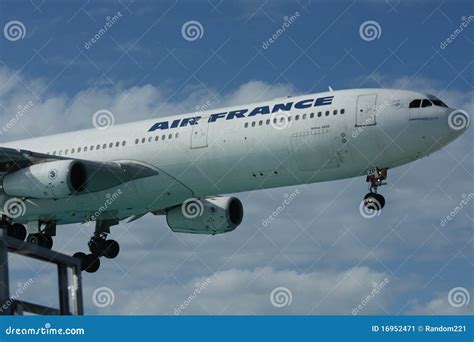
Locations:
(212, 215)
(51, 180)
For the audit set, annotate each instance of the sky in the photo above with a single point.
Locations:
(319, 255)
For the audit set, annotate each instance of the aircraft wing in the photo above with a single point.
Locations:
(100, 175)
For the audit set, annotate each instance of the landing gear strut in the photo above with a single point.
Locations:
(373, 200)
(99, 246)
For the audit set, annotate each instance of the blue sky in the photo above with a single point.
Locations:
(329, 258)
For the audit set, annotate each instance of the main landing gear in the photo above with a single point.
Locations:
(99, 246)
(40, 234)
(373, 200)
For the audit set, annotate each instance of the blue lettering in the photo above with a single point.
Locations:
(322, 101)
(159, 125)
(216, 116)
(260, 110)
(236, 114)
(282, 106)
(175, 123)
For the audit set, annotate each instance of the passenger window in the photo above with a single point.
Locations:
(415, 103)
(163, 137)
(92, 148)
(327, 113)
(97, 147)
(149, 139)
(104, 146)
(253, 123)
(66, 152)
(426, 103)
(157, 138)
(297, 117)
(78, 149)
(143, 140)
(274, 121)
(124, 143)
(54, 153)
(111, 145)
(343, 111)
(260, 123)
(170, 136)
(246, 125)
(311, 116)
(176, 135)
(304, 116)
(268, 121)
(60, 152)
(319, 114)
(136, 141)
(117, 144)
(335, 112)
(85, 148)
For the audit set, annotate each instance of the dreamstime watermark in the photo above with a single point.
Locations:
(110, 198)
(110, 21)
(458, 120)
(281, 297)
(202, 108)
(14, 30)
(192, 30)
(459, 297)
(103, 296)
(287, 21)
(280, 120)
(21, 110)
(370, 209)
(370, 30)
(103, 119)
(286, 202)
(21, 288)
(370, 120)
(14, 208)
(192, 208)
(46, 330)
(466, 21)
(377, 288)
(199, 287)
(465, 199)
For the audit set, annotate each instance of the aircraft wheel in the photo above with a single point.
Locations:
(112, 249)
(39, 239)
(92, 263)
(97, 246)
(17, 231)
(374, 201)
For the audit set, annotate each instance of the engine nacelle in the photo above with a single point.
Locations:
(51, 180)
(212, 215)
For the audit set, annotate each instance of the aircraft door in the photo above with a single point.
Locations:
(366, 110)
(199, 133)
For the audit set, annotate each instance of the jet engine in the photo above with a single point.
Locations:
(211, 215)
(51, 180)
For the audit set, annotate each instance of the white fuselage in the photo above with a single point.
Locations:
(224, 153)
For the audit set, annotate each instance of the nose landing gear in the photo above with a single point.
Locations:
(373, 200)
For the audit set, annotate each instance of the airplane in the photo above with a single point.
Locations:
(181, 166)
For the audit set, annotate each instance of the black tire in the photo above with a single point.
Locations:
(17, 231)
(82, 257)
(48, 241)
(92, 263)
(96, 246)
(35, 239)
(372, 201)
(381, 200)
(112, 249)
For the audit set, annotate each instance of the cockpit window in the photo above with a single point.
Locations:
(426, 103)
(415, 103)
(439, 103)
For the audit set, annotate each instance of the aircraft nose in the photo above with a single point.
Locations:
(458, 121)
